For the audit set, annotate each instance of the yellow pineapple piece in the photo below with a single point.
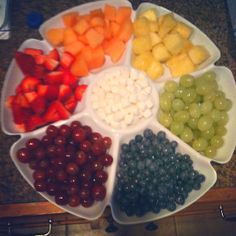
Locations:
(198, 54)
(141, 44)
(174, 42)
(160, 52)
(153, 26)
(187, 45)
(183, 29)
(155, 38)
(142, 61)
(155, 69)
(180, 65)
(150, 14)
(166, 24)
(141, 26)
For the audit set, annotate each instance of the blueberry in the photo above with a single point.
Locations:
(148, 133)
(125, 147)
(174, 144)
(138, 138)
(201, 178)
(161, 135)
(196, 186)
(171, 206)
(180, 199)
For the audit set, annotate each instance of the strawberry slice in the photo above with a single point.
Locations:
(29, 83)
(52, 92)
(54, 77)
(9, 101)
(79, 91)
(20, 115)
(34, 121)
(70, 103)
(38, 105)
(66, 60)
(51, 114)
(42, 90)
(62, 111)
(39, 59)
(69, 79)
(39, 71)
(25, 62)
(31, 96)
(65, 92)
(33, 51)
(20, 128)
(50, 63)
(54, 54)
(21, 100)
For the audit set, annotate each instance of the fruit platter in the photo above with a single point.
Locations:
(119, 107)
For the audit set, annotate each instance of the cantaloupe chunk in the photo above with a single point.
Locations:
(82, 26)
(115, 27)
(86, 17)
(123, 14)
(126, 30)
(79, 67)
(98, 58)
(107, 30)
(110, 12)
(70, 19)
(55, 36)
(97, 12)
(94, 38)
(74, 48)
(115, 49)
(198, 54)
(105, 45)
(69, 36)
(82, 39)
(100, 30)
(87, 54)
(97, 21)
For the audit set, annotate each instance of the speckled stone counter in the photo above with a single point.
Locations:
(209, 15)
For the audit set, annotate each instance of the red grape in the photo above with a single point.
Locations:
(46, 140)
(107, 142)
(33, 164)
(39, 174)
(96, 165)
(73, 179)
(61, 198)
(84, 193)
(101, 176)
(87, 202)
(78, 135)
(98, 148)
(85, 146)
(61, 175)
(52, 131)
(85, 175)
(88, 131)
(51, 150)
(40, 185)
(44, 164)
(75, 124)
(23, 155)
(52, 189)
(98, 192)
(59, 140)
(72, 189)
(74, 201)
(81, 158)
(107, 160)
(65, 130)
(72, 168)
(32, 143)
(95, 136)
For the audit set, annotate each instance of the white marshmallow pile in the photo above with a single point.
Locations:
(122, 98)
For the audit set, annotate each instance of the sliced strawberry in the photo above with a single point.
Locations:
(21, 100)
(66, 60)
(62, 111)
(29, 84)
(54, 77)
(39, 105)
(42, 90)
(69, 79)
(31, 96)
(54, 54)
(39, 59)
(70, 104)
(79, 91)
(52, 92)
(33, 51)
(51, 115)
(65, 92)
(20, 127)
(34, 121)
(50, 63)
(18, 89)
(20, 115)
(25, 62)
(39, 71)
(9, 101)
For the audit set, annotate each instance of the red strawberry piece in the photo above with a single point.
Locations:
(69, 79)
(54, 54)
(20, 115)
(20, 127)
(52, 92)
(54, 77)
(34, 121)
(25, 62)
(70, 103)
(18, 89)
(79, 91)
(31, 96)
(65, 92)
(66, 60)
(42, 90)
(33, 51)
(39, 59)
(39, 71)
(21, 100)
(39, 105)
(9, 101)
(62, 111)
(29, 83)
(51, 114)
(50, 63)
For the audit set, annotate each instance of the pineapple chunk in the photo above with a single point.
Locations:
(153, 26)
(141, 26)
(155, 38)
(184, 30)
(166, 24)
(142, 61)
(161, 53)
(174, 42)
(150, 14)
(155, 69)
(141, 44)
(198, 54)
(180, 65)
(187, 45)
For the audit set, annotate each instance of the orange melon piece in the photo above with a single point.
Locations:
(123, 13)
(69, 36)
(125, 31)
(100, 30)
(86, 17)
(55, 36)
(105, 45)
(110, 12)
(82, 39)
(98, 58)
(115, 49)
(97, 12)
(107, 29)
(79, 67)
(82, 26)
(87, 54)
(115, 27)
(70, 19)
(74, 48)
(97, 21)
(94, 38)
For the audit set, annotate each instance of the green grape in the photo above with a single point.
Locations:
(187, 81)
(168, 95)
(176, 127)
(179, 92)
(177, 104)
(215, 115)
(217, 141)
(220, 130)
(194, 110)
(208, 134)
(196, 133)
(181, 116)
(203, 88)
(210, 151)
(165, 119)
(224, 118)
(206, 107)
(165, 103)
(192, 123)
(171, 86)
(200, 144)
(210, 96)
(220, 94)
(198, 98)
(186, 135)
(189, 95)
(229, 104)
(220, 103)
(204, 123)
(210, 75)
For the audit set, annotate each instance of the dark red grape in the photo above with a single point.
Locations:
(72, 168)
(52, 189)
(101, 176)
(75, 124)
(107, 142)
(95, 136)
(65, 131)
(39, 153)
(88, 131)
(23, 155)
(98, 148)
(39, 174)
(51, 172)
(60, 140)
(107, 160)
(74, 201)
(44, 164)
(85, 175)
(58, 162)
(78, 135)
(87, 202)
(32, 143)
(61, 198)
(61, 175)
(46, 140)
(72, 189)
(96, 165)
(69, 156)
(98, 192)
(33, 164)
(73, 180)
(86, 184)
(81, 158)
(59, 151)
(91, 158)
(51, 150)
(84, 193)
(40, 185)
(85, 146)
(52, 131)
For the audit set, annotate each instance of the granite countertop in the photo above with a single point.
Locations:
(209, 15)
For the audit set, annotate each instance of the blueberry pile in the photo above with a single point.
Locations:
(153, 176)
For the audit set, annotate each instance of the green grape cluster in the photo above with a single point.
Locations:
(196, 111)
